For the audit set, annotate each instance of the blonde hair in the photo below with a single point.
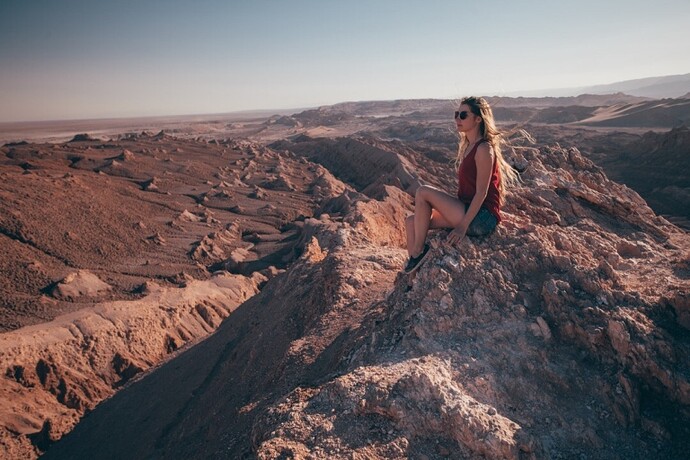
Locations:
(487, 130)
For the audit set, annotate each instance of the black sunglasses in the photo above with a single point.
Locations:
(461, 115)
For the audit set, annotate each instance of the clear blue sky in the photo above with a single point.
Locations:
(63, 59)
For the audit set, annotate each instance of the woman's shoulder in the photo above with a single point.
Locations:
(484, 149)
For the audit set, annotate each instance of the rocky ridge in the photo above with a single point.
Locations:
(544, 340)
(57, 372)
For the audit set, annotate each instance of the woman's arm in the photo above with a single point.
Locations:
(484, 160)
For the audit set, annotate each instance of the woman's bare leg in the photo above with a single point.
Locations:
(409, 231)
(437, 221)
(449, 213)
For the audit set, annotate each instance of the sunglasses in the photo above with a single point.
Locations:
(461, 115)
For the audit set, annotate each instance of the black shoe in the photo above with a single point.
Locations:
(414, 262)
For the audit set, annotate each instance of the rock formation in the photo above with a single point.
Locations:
(56, 372)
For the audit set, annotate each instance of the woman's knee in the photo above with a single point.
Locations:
(422, 193)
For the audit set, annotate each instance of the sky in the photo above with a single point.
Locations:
(78, 59)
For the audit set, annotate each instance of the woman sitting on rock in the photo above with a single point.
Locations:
(482, 172)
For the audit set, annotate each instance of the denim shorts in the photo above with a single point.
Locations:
(483, 223)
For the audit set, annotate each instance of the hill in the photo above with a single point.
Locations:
(564, 334)
(667, 86)
(670, 86)
(547, 339)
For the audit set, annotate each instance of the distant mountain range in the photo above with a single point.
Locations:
(670, 86)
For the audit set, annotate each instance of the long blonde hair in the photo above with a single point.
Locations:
(487, 130)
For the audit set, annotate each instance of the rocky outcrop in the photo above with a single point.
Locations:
(216, 246)
(545, 339)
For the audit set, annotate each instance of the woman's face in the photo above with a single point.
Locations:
(470, 121)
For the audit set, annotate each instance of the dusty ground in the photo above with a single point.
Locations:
(143, 208)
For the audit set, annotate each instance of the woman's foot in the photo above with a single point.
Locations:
(414, 262)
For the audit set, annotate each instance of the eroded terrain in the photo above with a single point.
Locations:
(564, 334)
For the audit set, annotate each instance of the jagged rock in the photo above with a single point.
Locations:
(187, 216)
(267, 210)
(126, 155)
(258, 193)
(223, 195)
(326, 185)
(281, 182)
(312, 251)
(150, 185)
(213, 247)
(237, 256)
(157, 238)
(271, 272)
(418, 398)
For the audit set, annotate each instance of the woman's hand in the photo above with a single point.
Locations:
(456, 235)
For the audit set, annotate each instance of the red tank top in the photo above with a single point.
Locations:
(467, 183)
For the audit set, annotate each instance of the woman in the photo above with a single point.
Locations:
(482, 171)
